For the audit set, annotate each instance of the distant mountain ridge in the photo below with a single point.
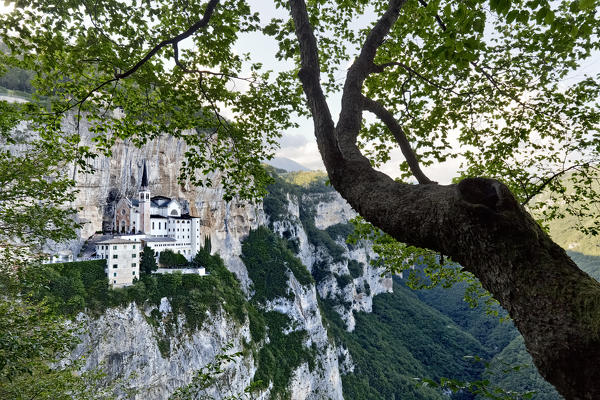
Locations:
(286, 164)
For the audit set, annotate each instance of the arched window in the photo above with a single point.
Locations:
(174, 212)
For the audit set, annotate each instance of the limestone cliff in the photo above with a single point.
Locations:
(128, 345)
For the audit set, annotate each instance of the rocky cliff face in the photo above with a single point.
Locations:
(153, 361)
(355, 294)
(129, 345)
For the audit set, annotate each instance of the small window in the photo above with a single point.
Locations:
(115, 275)
(115, 265)
(133, 265)
(147, 196)
(132, 272)
(114, 247)
(159, 225)
(115, 256)
(134, 246)
(152, 224)
(114, 281)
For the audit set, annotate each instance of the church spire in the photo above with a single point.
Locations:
(144, 204)
(144, 177)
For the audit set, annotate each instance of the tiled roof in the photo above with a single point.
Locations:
(118, 241)
(159, 239)
(184, 216)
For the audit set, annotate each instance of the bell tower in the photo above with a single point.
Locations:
(144, 207)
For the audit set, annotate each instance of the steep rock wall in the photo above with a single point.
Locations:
(124, 344)
(323, 382)
(124, 341)
(356, 295)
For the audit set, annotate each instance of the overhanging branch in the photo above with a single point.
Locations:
(208, 12)
(392, 124)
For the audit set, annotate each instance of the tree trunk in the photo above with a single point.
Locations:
(478, 223)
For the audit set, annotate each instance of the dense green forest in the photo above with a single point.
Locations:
(401, 341)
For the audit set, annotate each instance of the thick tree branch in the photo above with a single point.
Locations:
(392, 124)
(351, 114)
(309, 75)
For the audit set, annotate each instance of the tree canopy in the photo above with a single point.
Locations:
(485, 81)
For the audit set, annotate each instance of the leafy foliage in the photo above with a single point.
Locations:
(186, 101)
(35, 342)
(147, 261)
(170, 259)
(30, 335)
(502, 95)
(36, 190)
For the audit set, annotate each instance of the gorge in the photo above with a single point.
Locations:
(307, 313)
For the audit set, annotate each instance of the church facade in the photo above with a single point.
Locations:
(154, 221)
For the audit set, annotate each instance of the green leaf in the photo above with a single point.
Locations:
(586, 4)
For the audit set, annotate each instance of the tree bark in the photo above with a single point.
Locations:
(477, 222)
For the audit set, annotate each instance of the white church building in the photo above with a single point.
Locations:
(156, 222)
